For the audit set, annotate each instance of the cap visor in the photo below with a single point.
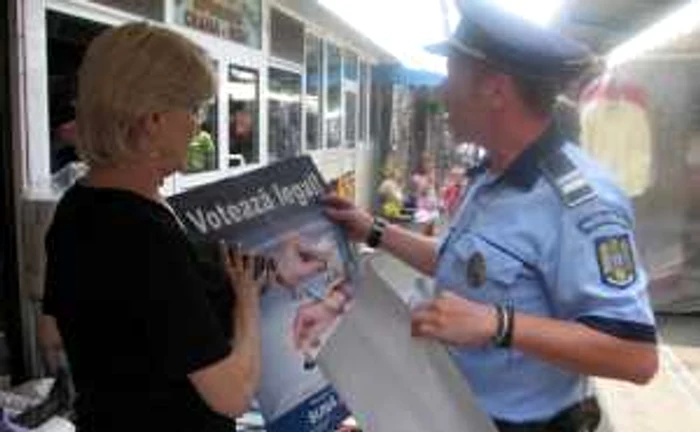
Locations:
(441, 49)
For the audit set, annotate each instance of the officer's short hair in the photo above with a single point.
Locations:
(538, 95)
(129, 72)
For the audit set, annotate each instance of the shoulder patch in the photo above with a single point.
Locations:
(567, 179)
(604, 217)
(616, 260)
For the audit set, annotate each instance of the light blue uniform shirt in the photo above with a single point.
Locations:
(552, 236)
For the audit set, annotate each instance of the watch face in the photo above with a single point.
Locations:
(375, 234)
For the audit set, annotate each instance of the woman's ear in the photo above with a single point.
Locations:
(152, 124)
(146, 131)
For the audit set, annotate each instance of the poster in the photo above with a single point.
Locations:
(395, 382)
(275, 212)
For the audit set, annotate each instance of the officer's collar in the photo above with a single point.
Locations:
(524, 171)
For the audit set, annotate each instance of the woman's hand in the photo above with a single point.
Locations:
(247, 273)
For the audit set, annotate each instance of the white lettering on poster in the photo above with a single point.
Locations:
(220, 215)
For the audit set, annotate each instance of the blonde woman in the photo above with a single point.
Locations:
(140, 316)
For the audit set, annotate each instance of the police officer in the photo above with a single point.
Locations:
(540, 281)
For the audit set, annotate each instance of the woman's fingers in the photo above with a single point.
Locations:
(236, 258)
(246, 266)
(224, 253)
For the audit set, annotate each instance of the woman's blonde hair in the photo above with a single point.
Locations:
(131, 71)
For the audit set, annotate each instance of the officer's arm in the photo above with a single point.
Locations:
(583, 349)
(599, 292)
(416, 250)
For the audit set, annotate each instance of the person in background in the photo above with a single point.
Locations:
(455, 185)
(62, 122)
(390, 192)
(146, 324)
(201, 153)
(427, 205)
(540, 284)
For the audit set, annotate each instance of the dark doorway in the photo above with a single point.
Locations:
(12, 363)
(67, 40)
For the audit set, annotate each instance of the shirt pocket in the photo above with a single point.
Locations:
(488, 271)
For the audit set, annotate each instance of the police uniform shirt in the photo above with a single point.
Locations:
(552, 236)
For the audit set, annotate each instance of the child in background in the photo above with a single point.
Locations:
(452, 191)
(427, 212)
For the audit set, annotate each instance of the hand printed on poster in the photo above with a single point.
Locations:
(297, 261)
(315, 318)
(312, 270)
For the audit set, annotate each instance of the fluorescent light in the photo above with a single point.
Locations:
(677, 24)
(401, 27)
(405, 27)
(540, 12)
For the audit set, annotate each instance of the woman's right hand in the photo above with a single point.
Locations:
(242, 270)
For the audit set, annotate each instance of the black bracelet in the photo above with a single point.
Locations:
(510, 314)
(376, 231)
(506, 321)
(498, 337)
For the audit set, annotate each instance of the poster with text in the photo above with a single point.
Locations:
(275, 212)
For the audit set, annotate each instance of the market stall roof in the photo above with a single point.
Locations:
(605, 24)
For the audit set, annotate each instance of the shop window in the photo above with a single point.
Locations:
(284, 114)
(334, 109)
(350, 118)
(243, 102)
(67, 40)
(312, 98)
(152, 9)
(364, 101)
(236, 20)
(286, 37)
(350, 65)
(202, 153)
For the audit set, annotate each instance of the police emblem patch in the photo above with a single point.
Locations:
(616, 261)
(476, 270)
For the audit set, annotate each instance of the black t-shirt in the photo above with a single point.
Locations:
(138, 310)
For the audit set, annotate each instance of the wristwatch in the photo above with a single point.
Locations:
(376, 232)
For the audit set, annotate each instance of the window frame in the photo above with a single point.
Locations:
(304, 28)
(34, 143)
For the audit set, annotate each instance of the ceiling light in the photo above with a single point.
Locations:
(677, 24)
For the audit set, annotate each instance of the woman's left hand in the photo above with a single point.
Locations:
(455, 320)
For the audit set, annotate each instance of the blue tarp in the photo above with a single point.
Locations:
(398, 74)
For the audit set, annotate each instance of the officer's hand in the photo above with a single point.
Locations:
(356, 222)
(455, 320)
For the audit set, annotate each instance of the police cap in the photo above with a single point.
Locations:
(514, 45)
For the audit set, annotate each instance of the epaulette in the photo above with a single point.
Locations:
(567, 179)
